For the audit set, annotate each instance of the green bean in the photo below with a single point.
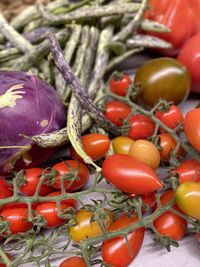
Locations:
(153, 26)
(39, 51)
(132, 26)
(13, 36)
(76, 87)
(147, 41)
(91, 12)
(117, 60)
(101, 60)
(8, 54)
(75, 110)
(62, 89)
(90, 55)
(31, 13)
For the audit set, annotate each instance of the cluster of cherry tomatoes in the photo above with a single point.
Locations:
(131, 168)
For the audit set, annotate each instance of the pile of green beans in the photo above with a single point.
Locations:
(94, 35)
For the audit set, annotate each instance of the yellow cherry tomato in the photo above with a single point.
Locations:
(85, 227)
(122, 144)
(146, 152)
(187, 197)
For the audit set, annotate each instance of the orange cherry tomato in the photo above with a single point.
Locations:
(94, 145)
(73, 262)
(146, 152)
(122, 144)
(168, 144)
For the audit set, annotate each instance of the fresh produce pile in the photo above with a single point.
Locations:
(60, 89)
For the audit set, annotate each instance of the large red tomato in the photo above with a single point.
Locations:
(130, 175)
(190, 57)
(192, 127)
(115, 251)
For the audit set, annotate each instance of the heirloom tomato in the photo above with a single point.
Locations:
(115, 251)
(192, 127)
(32, 177)
(119, 84)
(94, 145)
(49, 210)
(170, 224)
(73, 262)
(18, 219)
(116, 112)
(163, 78)
(146, 152)
(130, 175)
(122, 144)
(188, 170)
(85, 227)
(189, 56)
(64, 169)
(187, 198)
(141, 127)
(170, 118)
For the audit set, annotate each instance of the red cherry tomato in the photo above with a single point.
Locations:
(189, 56)
(49, 210)
(170, 224)
(142, 127)
(119, 84)
(18, 219)
(192, 127)
(116, 112)
(73, 262)
(170, 118)
(148, 199)
(63, 169)
(168, 144)
(115, 250)
(188, 170)
(32, 177)
(14, 205)
(95, 146)
(130, 175)
(5, 191)
(165, 198)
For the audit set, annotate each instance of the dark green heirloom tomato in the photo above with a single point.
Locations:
(187, 197)
(163, 78)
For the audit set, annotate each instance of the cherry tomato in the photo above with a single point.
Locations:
(73, 262)
(116, 112)
(94, 145)
(170, 118)
(14, 205)
(119, 84)
(63, 169)
(163, 78)
(115, 251)
(130, 175)
(5, 191)
(18, 219)
(170, 224)
(148, 199)
(49, 210)
(146, 152)
(165, 198)
(85, 228)
(168, 144)
(192, 127)
(188, 170)
(122, 144)
(189, 56)
(187, 197)
(32, 177)
(142, 127)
